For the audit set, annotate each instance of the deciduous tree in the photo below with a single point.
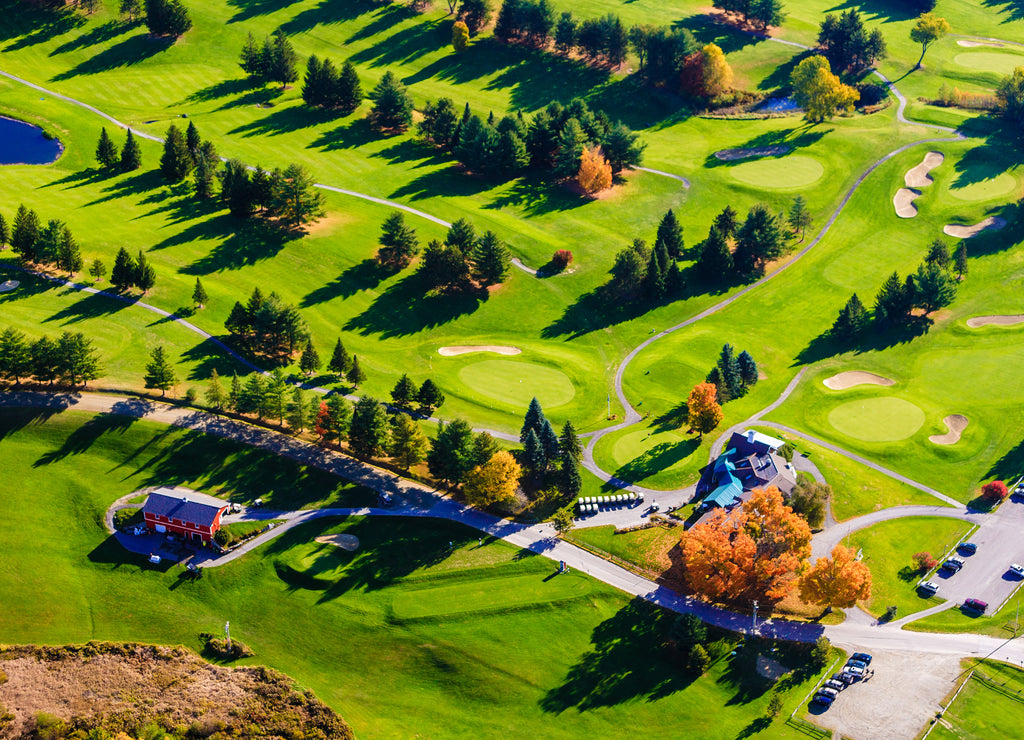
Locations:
(494, 482)
(715, 71)
(994, 492)
(928, 29)
(837, 581)
(408, 443)
(818, 91)
(703, 413)
(460, 36)
(595, 174)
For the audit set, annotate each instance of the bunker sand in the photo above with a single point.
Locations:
(464, 350)
(976, 321)
(992, 223)
(955, 423)
(850, 378)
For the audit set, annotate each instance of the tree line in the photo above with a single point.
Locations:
(35, 244)
(70, 359)
(554, 140)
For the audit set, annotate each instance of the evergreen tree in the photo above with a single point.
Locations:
(355, 374)
(533, 453)
(298, 411)
(623, 149)
(569, 443)
(45, 356)
(254, 399)
(236, 394)
(404, 392)
(167, 18)
(122, 276)
(730, 372)
(851, 320)
(251, 61)
(277, 395)
(565, 33)
(891, 302)
(533, 420)
(484, 448)
(5, 232)
(283, 60)
(340, 361)
(758, 240)
(934, 288)
(654, 279)
(316, 85)
(439, 123)
(131, 155)
(370, 432)
(97, 270)
(430, 396)
(462, 236)
(145, 275)
(960, 260)
(938, 253)
(48, 245)
(451, 452)
(199, 296)
(15, 355)
(569, 480)
(159, 371)
(192, 139)
(176, 161)
(398, 242)
(491, 259)
(747, 368)
(408, 443)
(25, 233)
(715, 260)
(106, 152)
(309, 362)
(295, 200)
(348, 90)
(799, 216)
(131, 8)
(76, 359)
(334, 418)
(727, 222)
(215, 397)
(572, 140)
(69, 257)
(549, 441)
(392, 104)
(670, 235)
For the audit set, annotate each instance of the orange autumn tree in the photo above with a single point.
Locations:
(595, 173)
(837, 581)
(703, 413)
(754, 552)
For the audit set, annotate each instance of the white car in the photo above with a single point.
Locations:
(1017, 570)
(855, 670)
(927, 587)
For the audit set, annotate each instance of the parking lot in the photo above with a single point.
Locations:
(985, 574)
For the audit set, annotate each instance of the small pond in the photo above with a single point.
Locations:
(778, 105)
(23, 143)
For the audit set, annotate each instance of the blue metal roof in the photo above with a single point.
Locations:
(726, 494)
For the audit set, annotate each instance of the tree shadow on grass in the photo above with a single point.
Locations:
(1013, 9)
(708, 28)
(403, 46)
(96, 35)
(366, 275)
(796, 137)
(13, 420)
(251, 8)
(36, 25)
(673, 419)
(325, 13)
(239, 242)
(284, 120)
(209, 355)
(626, 662)
(145, 182)
(249, 92)
(1009, 466)
(450, 182)
(780, 76)
(85, 436)
(983, 163)
(407, 308)
(884, 11)
(129, 52)
(354, 134)
(534, 196)
(79, 179)
(86, 306)
(871, 339)
(660, 457)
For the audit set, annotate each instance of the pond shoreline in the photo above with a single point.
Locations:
(29, 143)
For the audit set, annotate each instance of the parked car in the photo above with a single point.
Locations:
(848, 678)
(851, 663)
(856, 670)
(968, 548)
(1017, 570)
(823, 699)
(826, 691)
(976, 605)
(836, 684)
(953, 564)
(862, 657)
(386, 499)
(928, 588)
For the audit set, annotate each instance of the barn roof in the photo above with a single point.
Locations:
(197, 508)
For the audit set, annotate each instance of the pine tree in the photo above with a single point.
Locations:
(451, 452)
(430, 396)
(549, 440)
(532, 421)
(192, 139)
(398, 242)
(571, 142)
(176, 161)
(938, 253)
(131, 155)
(491, 259)
(310, 361)
(748, 369)
(727, 222)
(670, 235)
(569, 480)
(76, 359)
(106, 152)
(851, 320)
(215, 398)
(199, 296)
(15, 355)
(97, 270)
(69, 257)
(408, 443)
(462, 236)
(392, 104)
(45, 356)
(5, 232)
(355, 374)
(715, 260)
(159, 371)
(202, 176)
(283, 60)
(730, 372)
(235, 395)
(145, 275)
(277, 395)
(799, 216)
(295, 201)
(250, 60)
(348, 92)
(569, 443)
(25, 233)
(340, 360)
(533, 453)
(122, 276)
(960, 260)
(484, 448)
(297, 411)
(404, 392)
(370, 432)
(131, 8)
(315, 84)
(654, 279)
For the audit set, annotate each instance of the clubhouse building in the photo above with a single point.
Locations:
(194, 516)
(750, 461)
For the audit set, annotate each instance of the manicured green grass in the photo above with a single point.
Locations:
(857, 489)
(885, 419)
(991, 704)
(1000, 624)
(1001, 63)
(646, 548)
(792, 172)
(422, 631)
(888, 548)
(655, 456)
(515, 383)
(1000, 184)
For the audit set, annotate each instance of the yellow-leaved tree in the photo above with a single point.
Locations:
(595, 173)
(717, 74)
(460, 36)
(818, 91)
(837, 581)
(493, 482)
(929, 29)
(702, 410)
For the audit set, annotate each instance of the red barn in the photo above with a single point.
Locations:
(192, 515)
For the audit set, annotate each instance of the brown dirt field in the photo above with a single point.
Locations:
(129, 685)
(903, 202)
(955, 423)
(977, 321)
(957, 231)
(850, 378)
(918, 177)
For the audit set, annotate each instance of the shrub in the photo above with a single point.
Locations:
(924, 561)
(818, 657)
(699, 661)
(561, 259)
(190, 396)
(994, 492)
(222, 537)
(774, 705)
(890, 614)
(871, 93)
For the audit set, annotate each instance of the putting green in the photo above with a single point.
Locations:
(990, 61)
(515, 383)
(631, 446)
(884, 419)
(993, 187)
(779, 173)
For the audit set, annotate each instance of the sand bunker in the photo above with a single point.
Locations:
(496, 348)
(850, 378)
(731, 155)
(903, 201)
(955, 423)
(969, 43)
(977, 321)
(347, 542)
(918, 177)
(8, 286)
(992, 223)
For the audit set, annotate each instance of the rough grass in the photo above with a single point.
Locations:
(647, 548)
(990, 705)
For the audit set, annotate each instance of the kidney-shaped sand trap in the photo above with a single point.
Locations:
(347, 542)
(968, 43)
(975, 321)
(955, 423)
(918, 177)
(992, 223)
(903, 202)
(9, 285)
(850, 378)
(465, 350)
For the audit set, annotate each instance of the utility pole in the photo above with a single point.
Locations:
(753, 625)
(227, 633)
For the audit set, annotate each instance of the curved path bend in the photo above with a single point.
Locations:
(418, 500)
